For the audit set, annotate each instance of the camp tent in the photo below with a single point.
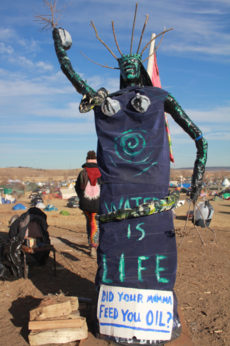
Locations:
(67, 192)
(226, 183)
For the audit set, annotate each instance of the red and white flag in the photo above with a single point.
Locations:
(153, 72)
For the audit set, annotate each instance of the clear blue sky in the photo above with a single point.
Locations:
(41, 126)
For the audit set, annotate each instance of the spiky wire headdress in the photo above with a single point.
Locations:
(144, 75)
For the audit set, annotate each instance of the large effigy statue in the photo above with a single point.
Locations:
(137, 255)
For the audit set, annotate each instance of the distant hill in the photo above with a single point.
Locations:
(39, 174)
(207, 168)
(36, 174)
(218, 168)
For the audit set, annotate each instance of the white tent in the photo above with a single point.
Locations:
(66, 192)
(226, 183)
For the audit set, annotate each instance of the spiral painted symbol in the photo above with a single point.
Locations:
(129, 146)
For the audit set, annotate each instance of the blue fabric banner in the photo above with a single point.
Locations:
(133, 157)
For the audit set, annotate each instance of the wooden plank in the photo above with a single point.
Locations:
(55, 324)
(55, 306)
(49, 311)
(74, 303)
(58, 336)
(74, 314)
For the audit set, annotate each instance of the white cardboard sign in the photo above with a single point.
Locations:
(131, 312)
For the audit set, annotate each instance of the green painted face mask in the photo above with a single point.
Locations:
(130, 67)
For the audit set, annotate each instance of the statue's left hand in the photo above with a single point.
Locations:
(88, 103)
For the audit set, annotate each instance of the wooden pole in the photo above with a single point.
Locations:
(151, 59)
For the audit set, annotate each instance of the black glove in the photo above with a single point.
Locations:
(88, 102)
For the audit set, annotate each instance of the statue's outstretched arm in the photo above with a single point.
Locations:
(91, 97)
(182, 119)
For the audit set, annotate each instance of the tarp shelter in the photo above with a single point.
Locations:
(8, 190)
(50, 207)
(19, 206)
(185, 185)
(7, 199)
(173, 184)
(64, 212)
(226, 195)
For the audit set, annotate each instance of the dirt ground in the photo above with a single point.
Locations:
(202, 285)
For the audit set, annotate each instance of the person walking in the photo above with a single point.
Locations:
(88, 190)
